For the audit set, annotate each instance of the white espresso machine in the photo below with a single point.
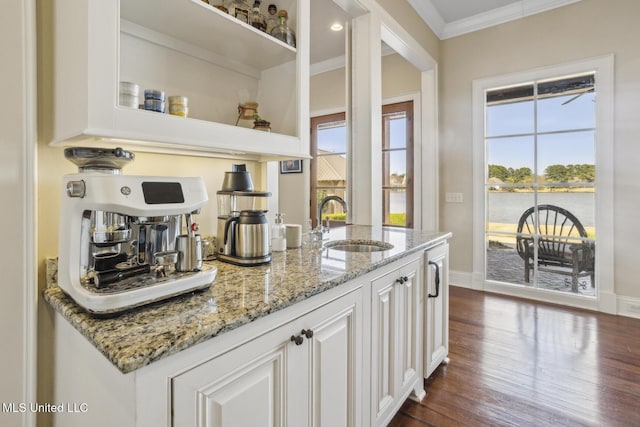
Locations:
(122, 242)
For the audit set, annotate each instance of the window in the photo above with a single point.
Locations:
(329, 165)
(397, 164)
(557, 148)
(541, 183)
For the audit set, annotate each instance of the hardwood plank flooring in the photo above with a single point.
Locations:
(516, 362)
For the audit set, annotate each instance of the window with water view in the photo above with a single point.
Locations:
(540, 184)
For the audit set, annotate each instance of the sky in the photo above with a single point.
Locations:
(555, 147)
(334, 140)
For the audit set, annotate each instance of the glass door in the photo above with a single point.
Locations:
(540, 184)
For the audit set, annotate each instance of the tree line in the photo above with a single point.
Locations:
(552, 173)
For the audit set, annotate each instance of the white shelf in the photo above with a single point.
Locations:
(205, 27)
(87, 69)
(163, 133)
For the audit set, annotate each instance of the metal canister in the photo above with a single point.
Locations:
(189, 252)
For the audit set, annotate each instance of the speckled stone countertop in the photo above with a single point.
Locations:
(238, 296)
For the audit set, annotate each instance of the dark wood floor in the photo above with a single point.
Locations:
(520, 363)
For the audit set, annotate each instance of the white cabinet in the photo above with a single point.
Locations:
(348, 356)
(396, 321)
(436, 313)
(306, 372)
(183, 47)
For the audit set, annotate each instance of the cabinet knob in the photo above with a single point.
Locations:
(307, 333)
(297, 339)
(401, 280)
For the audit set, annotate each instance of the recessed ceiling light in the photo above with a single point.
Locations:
(336, 27)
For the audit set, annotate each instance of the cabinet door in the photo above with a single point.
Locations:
(304, 373)
(383, 343)
(410, 325)
(395, 339)
(436, 323)
(335, 362)
(244, 387)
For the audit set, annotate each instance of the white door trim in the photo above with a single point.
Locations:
(604, 67)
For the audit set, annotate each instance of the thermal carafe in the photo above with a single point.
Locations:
(243, 229)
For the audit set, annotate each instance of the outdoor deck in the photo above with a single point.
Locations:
(505, 265)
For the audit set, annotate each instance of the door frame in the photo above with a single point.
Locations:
(606, 300)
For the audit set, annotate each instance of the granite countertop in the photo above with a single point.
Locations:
(238, 296)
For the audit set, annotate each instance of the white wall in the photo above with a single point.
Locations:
(17, 139)
(585, 29)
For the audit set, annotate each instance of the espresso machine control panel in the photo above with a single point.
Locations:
(126, 241)
(139, 195)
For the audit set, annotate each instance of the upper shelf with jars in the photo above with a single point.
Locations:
(189, 50)
(208, 27)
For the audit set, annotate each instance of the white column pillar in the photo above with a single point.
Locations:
(365, 186)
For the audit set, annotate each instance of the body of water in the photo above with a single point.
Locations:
(507, 208)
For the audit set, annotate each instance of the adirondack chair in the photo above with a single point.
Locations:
(561, 248)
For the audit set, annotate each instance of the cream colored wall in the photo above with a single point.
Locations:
(582, 30)
(399, 77)
(327, 91)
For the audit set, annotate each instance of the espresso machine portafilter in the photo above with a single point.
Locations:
(120, 236)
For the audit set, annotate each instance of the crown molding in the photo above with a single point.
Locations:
(430, 15)
(520, 9)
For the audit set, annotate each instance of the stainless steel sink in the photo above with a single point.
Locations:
(358, 245)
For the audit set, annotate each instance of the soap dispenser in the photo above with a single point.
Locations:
(279, 234)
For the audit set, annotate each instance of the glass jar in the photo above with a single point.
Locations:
(238, 9)
(256, 19)
(272, 18)
(282, 31)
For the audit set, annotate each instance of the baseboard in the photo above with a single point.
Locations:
(609, 302)
(629, 307)
(461, 279)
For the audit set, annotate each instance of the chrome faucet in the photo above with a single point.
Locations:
(325, 229)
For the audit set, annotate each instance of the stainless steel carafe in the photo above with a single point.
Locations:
(247, 238)
(243, 228)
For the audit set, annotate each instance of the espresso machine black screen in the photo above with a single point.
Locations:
(157, 193)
